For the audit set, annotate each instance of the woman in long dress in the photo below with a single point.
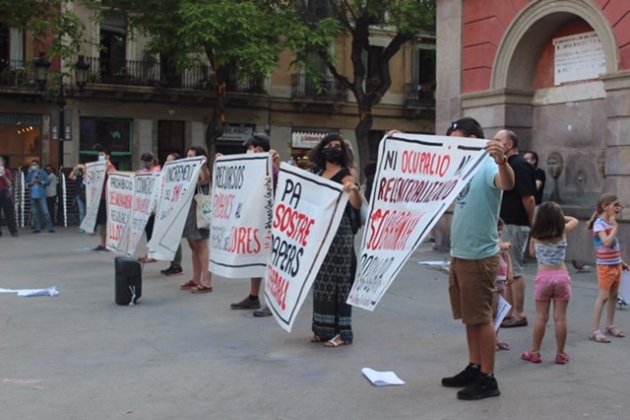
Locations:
(332, 316)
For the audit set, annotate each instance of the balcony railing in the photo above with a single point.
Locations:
(16, 73)
(420, 95)
(303, 87)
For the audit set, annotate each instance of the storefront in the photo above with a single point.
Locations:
(20, 139)
(113, 134)
(303, 140)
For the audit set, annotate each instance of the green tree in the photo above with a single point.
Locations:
(239, 39)
(317, 23)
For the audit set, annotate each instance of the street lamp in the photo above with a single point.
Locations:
(42, 66)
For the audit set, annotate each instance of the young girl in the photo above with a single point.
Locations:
(603, 223)
(504, 278)
(549, 245)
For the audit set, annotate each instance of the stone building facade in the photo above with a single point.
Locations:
(557, 72)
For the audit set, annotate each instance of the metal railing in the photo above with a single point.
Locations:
(303, 87)
(16, 73)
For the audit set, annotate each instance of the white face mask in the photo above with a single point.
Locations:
(102, 158)
(250, 151)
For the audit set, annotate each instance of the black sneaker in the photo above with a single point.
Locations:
(261, 313)
(247, 303)
(463, 378)
(484, 387)
(173, 270)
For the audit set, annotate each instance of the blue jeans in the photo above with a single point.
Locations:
(39, 207)
(81, 206)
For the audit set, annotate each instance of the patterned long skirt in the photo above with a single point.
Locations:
(331, 314)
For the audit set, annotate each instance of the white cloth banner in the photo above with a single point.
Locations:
(178, 180)
(418, 177)
(120, 188)
(306, 214)
(242, 205)
(94, 181)
(145, 199)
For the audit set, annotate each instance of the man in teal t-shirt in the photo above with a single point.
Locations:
(475, 261)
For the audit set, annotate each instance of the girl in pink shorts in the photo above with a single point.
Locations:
(553, 283)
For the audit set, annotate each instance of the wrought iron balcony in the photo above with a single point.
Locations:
(16, 73)
(305, 88)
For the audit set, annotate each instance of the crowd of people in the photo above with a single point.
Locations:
(499, 219)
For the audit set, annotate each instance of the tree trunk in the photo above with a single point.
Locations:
(361, 133)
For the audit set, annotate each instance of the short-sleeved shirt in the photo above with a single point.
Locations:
(474, 233)
(512, 209)
(539, 175)
(606, 255)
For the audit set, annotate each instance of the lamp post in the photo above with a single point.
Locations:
(42, 66)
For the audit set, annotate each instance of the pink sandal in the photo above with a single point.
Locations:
(615, 332)
(532, 356)
(562, 358)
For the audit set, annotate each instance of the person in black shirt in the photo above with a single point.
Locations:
(539, 175)
(517, 210)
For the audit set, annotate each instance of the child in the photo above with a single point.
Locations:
(549, 245)
(504, 278)
(609, 264)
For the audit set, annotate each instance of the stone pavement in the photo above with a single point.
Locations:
(183, 356)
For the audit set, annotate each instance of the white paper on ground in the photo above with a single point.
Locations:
(382, 378)
(438, 265)
(503, 307)
(51, 291)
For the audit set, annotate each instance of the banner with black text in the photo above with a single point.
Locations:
(417, 178)
(94, 183)
(306, 214)
(242, 205)
(145, 199)
(120, 189)
(178, 181)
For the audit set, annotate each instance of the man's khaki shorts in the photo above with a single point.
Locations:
(471, 288)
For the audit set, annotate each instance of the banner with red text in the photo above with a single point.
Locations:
(242, 205)
(306, 214)
(120, 188)
(94, 183)
(145, 198)
(417, 178)
(178, 181)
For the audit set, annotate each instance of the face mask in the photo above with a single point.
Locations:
(34, 167)
(249, 151)
(102, 158)
(146, 165)
(333, 155)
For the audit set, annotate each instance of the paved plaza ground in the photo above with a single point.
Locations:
(183, 356)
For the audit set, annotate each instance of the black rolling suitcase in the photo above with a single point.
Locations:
(128, 288)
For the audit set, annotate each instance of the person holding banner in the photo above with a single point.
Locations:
(149, 164)
(201, 281)
(332, 316)
(258, 143)
(101, 218)
(175, 268)
(475, 263)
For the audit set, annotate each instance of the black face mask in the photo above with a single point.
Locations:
(333, 155)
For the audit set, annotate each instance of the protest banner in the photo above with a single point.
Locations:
(306, 214)
(418, 177)
(120, 189)
(178, 180)
(242, 205)
(145, 199)
(94, 184)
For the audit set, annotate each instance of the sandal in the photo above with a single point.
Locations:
(598, 337)
(337, 341)
(188, 285)
(317, 339)
(532, 356)
(502, 346)
(201, 289)
(562, 358)
(615, 332)
(512, 322)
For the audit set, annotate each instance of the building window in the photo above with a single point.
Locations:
(113, 43)
(373, 76)
(171, 138)
(424, 74)
(11, 48)
(112, 133)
